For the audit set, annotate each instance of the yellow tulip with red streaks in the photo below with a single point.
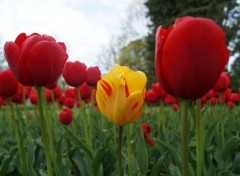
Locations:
(120, 94)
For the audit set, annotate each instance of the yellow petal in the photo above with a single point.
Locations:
(136, 81)
(130, 111)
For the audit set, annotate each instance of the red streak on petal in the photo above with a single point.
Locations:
(106, 87)
(135, 105)
(126, 89)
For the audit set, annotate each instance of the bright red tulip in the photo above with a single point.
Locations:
(35, 59)
(74, 73)
(8, 84)
(93, 75)
(65, 116)
(33, 97)
(190, 56)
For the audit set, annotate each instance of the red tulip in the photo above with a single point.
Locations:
(70, 92)
(93, 75)
(222, 83)
(33, 97)
(52, 85)
(158, 90)
(146, 128)
(85, 91)
(190, 56)
(65, 116)
(149, 140)
(175, 107)
(36, 59)
(235, 97)
(75, 73)
(69, 102)
(18, 97)
(8, 84)
(57, 91)
(27, 90)
(150, 96)
(48, 95)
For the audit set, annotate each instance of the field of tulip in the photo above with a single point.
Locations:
(151, 145)
(187, 124)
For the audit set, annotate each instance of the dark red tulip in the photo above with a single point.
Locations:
(175, 107)
(93, 75)
(69, 102)
(70, 92)
(52, 85)
(65, 116)
(235, 97)
(158, 90)
(8, 84)
(222, 83)
(151, 97)
(57, 91)
(18, 97)
(48, 95)
(27, 91)
(149, 140)
(61, 99)
(35, 59)
(74, 73)
(230, 104)
(146, 128)
(190, 56)
(85, 91)
(169, 99)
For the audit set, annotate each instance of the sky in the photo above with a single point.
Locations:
(85, 26)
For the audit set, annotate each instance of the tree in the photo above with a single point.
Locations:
(224, 12)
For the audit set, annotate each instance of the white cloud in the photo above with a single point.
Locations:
(83, 25)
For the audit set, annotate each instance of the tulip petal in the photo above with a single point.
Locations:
(12, 53)
(45, 62)
(136, 81)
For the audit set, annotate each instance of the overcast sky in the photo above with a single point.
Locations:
(83, 25)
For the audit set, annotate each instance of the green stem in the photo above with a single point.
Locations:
(84, 119)
(22, 157)
(44, 131)
(222, 122)
(129, 133)
(24, 102)
(199, 139)
(50, 134)
(120, 129)
(184, 138)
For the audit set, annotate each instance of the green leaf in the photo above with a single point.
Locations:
(8, 157)
(97, 161)
(174, 171)
(157, 167)
(209, 133)
(230, 147)
(80, 143)
(172, 149)
(142, 153)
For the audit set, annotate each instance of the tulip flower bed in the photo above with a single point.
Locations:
(189, 119)
(158, 154)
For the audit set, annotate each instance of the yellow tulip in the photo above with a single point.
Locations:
(120, 94)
